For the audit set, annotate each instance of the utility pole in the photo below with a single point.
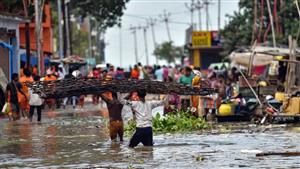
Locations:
(90, 36)
(272, 23)
(135, 43)
(165, 17)
(146, 44)
(27, 35)
(60, 31)
(206, 4)
(120, 33)
(42, 64)
(152, 23)
(219, 15)
(97, 35)
(38, 27)
(199, 7)
(191, 8)
(37, 35)
(68, 46)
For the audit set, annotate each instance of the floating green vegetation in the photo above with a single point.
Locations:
(130, 127)
(173, 122)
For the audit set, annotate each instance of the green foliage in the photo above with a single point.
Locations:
(174, 122)
(178, 122)
(238, 32)
(79, 41)
(10, 3)
(168, 52)
(130, 127)
(107, 12)
(14, 7)
(104, 14)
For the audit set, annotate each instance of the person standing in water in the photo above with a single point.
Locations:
(12, 97)
(35, 102)
(114, 106)
(143, 114)
(24, 94)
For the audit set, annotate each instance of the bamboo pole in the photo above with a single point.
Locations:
(260, 103)
(272, 23)
(60, 31)
(251, 58)
(290, 76)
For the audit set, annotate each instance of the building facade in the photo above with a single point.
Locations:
(10, 43)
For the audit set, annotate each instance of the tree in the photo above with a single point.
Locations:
(239, 31)
(107, 12)
(168, 52)
(14, 7)
(79, 41)
(104, 13)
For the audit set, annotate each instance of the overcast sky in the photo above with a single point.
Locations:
(180, 17)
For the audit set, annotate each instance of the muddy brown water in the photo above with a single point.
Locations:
(79, 139)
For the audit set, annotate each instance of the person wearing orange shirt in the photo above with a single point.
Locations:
(35, 71)
(196, 83)
(50, 77)
(21, 72)
(135, 73)
(95, 73)
(23, 93)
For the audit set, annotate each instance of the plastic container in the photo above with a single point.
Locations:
(226, 109)
(279, 96)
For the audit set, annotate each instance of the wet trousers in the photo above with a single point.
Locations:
(38, 110)
(142, 135)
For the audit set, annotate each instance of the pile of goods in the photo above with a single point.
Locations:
(83, 86)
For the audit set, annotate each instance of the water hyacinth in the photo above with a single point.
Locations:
(173, 122)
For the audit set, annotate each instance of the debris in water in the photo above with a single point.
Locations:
(278, 153)
(199, 158)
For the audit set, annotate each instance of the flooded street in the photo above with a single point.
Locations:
(79, 138)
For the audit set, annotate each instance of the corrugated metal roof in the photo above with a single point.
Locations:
(11, 17)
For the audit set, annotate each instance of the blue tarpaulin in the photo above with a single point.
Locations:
(10, 48)
(34, 59)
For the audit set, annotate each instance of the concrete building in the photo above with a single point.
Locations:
(47, 36)
(10, 43)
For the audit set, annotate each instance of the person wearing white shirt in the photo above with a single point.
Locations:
(35, 102)
(143, 114)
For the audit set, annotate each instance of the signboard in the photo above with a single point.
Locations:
(215, 38)
(201, 39)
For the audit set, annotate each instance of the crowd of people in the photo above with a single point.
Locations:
(23, 101)
(20, 95)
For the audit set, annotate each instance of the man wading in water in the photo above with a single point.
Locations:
(114, 106)
(143, 113)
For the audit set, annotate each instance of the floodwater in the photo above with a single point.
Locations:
(79, 139)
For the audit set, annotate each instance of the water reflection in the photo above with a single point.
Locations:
(26, 147)
(81, 140)
(51, 145)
